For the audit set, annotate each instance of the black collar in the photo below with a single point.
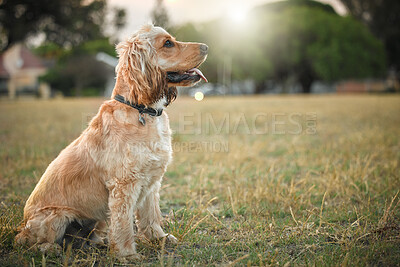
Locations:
(141, 108)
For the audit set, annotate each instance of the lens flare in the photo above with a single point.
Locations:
(199, 96)
(237, 14)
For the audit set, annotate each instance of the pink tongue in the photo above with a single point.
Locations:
(199, 73)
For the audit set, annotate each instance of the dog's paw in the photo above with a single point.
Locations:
(131, 258)
(172, 239)
(167, 238)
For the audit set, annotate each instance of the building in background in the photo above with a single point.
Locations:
(20, 70)
(110, 62)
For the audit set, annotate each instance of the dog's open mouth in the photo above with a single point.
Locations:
(192, 75)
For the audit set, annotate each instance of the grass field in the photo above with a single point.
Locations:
(266, 180)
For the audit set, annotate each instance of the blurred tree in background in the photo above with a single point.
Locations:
(77, 72)
(382, 17)
(298, 40)
(73, 31)
(287, 42)
(64, 22)
(159, 15)
(313, 43)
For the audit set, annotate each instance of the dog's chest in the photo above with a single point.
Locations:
(133, 152)
(149, 153)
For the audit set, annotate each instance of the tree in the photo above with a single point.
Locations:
(296, 40)
(159, 15)
(77, 72)
(20, 19)
(382, 18)
(66, 23)
(313, 44)
(73, 30)
(119, 20)
(310, 43)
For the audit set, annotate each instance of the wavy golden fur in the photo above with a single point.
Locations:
(147, 81)
(111, 174)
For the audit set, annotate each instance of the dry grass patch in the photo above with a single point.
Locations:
(281, 180)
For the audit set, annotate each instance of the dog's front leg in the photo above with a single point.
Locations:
(122, 203)
(149, 216)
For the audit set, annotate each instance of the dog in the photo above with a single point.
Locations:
(111, 174)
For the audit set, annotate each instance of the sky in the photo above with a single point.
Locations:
(180, 11)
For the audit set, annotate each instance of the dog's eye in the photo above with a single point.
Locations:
(168, 43)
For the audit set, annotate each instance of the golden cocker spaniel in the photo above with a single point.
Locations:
(111, 174)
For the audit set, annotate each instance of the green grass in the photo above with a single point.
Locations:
(325, 194)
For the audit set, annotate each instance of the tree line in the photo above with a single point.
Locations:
(294, 40)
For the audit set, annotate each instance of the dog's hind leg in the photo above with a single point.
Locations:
(46, 227)
(81, 234)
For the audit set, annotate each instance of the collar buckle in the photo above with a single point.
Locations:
(141, 108)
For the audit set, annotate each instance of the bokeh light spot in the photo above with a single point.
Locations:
(199, 96)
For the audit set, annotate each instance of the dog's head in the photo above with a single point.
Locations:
(152, 63)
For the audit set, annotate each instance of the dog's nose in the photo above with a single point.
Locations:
(204, 49)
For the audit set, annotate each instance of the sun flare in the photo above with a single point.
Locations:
(237, 14)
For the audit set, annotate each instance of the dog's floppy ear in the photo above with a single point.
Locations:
(137, 64)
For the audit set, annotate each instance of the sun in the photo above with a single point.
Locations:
(237, 14)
